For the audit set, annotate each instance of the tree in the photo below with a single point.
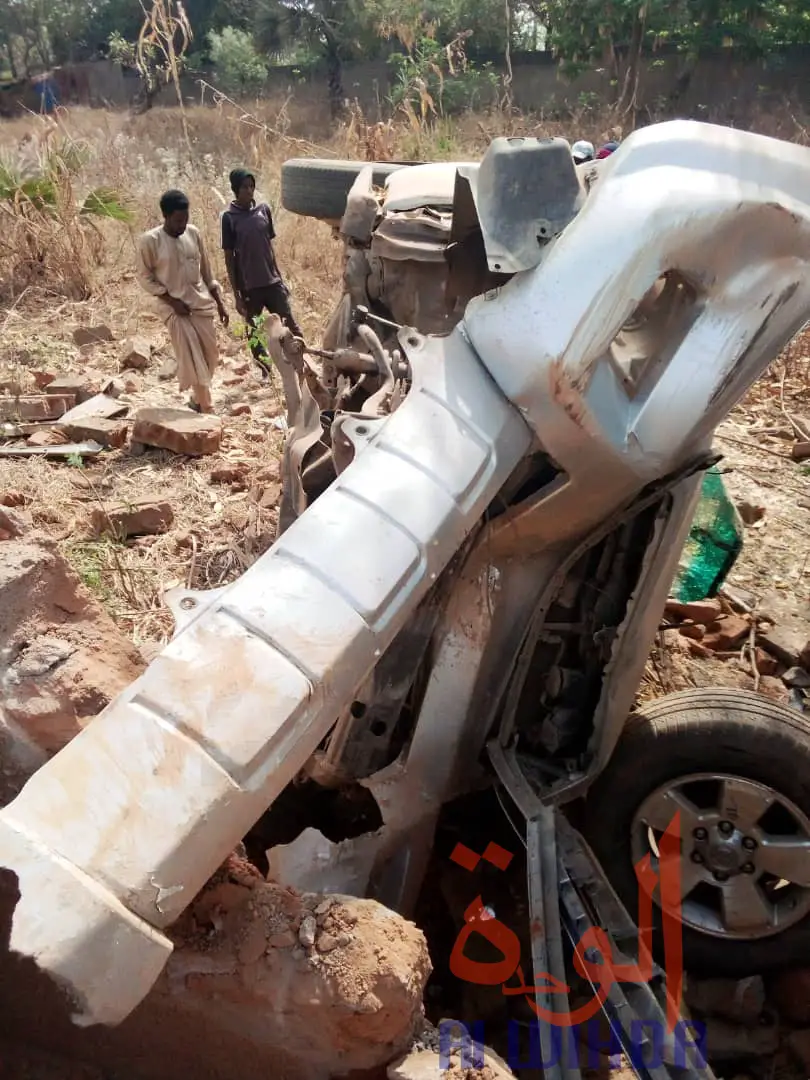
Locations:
(336, 31)
(482, 22)
(208, 15)
(755, 28)
(617, 34)
(159, 53)
(25, 28)
(240, 69)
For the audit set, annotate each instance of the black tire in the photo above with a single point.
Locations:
(702, 731)
(317, 187)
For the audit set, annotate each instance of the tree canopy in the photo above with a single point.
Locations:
(248, 35)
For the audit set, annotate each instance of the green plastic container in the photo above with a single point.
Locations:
(713, 545)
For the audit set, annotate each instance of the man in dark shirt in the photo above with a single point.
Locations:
(247, 240)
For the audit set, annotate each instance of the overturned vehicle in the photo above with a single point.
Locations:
(488, 480)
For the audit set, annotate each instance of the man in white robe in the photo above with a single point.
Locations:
(173, 268)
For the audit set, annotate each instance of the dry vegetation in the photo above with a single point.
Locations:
(66, 270)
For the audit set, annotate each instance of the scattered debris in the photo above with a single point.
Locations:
(738, 599)
(168, 369)
(765, 663)
(778, 643)
(430, 1064)
(48, 437)
(228, 474)
(749, 513)
(141, 517)
(135, 354)
(179, 430)
(99, 405)
(741, 1002)
(798, 677)
(241, 408)
(81, 387)
(311, 860)
(267, 497)
(91, 335)
(306, 935)
(109, 433)
(726, 633)
(83, 449)
(701, 612)
(36, 406)
(17, 431)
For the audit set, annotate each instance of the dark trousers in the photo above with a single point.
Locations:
(275, 299)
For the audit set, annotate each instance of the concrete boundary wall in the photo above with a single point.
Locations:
(723, 79)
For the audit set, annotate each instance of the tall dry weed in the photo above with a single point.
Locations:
(52, 232)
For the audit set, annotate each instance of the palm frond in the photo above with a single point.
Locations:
(107, 202)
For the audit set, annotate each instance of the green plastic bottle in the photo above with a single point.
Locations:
(714, 542)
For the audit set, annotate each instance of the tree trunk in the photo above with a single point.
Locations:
(43, 46)
(710, 15)
(507, 56)
(627, 104)
(9, 50)
(334, 75)
(334, 70)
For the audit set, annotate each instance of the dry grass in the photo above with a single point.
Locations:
(219, 529)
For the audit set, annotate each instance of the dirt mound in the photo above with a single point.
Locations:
(62, 659)
(336, 980)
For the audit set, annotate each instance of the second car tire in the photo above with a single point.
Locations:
(317, 187)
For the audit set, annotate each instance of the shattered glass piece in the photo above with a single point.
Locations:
(713, 545)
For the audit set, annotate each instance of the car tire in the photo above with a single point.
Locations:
(725, 732)
(318, 187)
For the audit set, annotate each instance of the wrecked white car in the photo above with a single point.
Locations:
(414, 235)
(487, 499)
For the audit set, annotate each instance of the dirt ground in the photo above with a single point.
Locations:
(225, 505)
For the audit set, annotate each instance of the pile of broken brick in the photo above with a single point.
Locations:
(46, 414)
(732, 625)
